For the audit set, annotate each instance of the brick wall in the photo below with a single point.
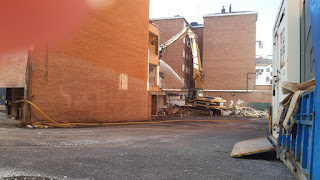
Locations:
(229, 51)
(173, 55)
(100, 75)
(12, 70)
(229, 58)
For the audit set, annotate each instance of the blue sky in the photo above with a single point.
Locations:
(194, 9)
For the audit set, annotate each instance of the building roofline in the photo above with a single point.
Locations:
(171, 18)
(166, 18)
(231, 14)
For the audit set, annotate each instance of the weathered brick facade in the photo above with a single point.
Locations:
(229, 51)
(177, 56)
(229, 42)
(13, 69)
(100, 75)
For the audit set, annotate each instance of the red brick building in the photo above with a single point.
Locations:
(176, 66)
(229, 42)
(101, 73)
(177, 57)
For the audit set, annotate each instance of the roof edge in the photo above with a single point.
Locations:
(201, 26)
(230, 14)
(171, 18)
(166, 18)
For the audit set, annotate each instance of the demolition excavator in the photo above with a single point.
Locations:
(195, 98)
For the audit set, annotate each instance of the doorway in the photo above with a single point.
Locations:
(13, 104)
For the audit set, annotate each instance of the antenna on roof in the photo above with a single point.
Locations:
(230, 10)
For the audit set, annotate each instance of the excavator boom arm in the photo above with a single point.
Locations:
(198, 74)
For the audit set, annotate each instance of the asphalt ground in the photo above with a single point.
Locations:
(175, 150)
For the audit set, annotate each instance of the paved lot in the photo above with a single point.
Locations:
(179, 150)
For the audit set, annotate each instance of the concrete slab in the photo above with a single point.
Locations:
(252, 146)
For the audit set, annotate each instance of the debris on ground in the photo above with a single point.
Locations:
(180, 111)
(232, 110)
(29, 127)
(239, 111)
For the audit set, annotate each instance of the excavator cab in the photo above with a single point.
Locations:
(194, 94)
(196, 99)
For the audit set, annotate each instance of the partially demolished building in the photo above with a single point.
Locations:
(227, 43)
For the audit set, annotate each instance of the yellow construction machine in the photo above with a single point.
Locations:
(195, 96)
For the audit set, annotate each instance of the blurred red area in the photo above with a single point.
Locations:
(36, 22)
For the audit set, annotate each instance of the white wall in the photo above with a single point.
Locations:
(262, 75)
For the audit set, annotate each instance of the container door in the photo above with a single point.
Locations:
(307, 58)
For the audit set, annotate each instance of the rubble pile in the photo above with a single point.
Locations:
(239, 111)
(232, 110)
(181, 111)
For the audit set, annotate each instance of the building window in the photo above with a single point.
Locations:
(184, 53)
(187, 56)
(259, 71)
(267, 79)
(182, 80)
(183, 67)
(184, 40)
(268, 70)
